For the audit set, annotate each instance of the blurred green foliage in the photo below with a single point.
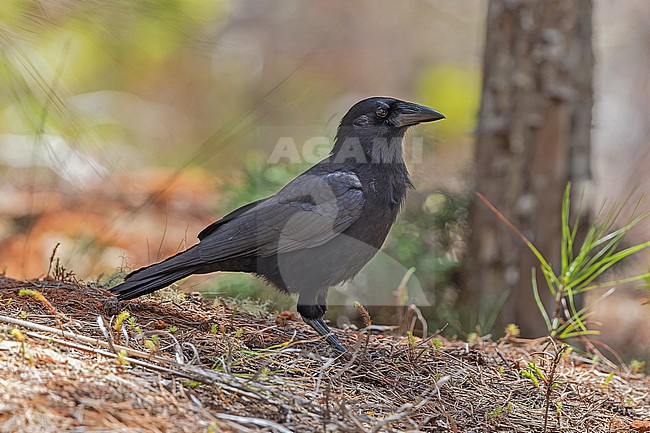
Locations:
(259, 180)
(245, 286)
(53, 55)
(457, 90)
(433, 241)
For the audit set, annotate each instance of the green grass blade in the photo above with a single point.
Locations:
(617, 282)
(567, 242)
(538, 301)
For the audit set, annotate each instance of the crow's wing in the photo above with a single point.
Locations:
(308, 212)
(231, 216)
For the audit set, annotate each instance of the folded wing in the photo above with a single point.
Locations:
(308, 212)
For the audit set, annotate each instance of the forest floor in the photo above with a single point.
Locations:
(74, 360)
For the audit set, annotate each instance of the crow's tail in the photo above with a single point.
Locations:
(159, 275)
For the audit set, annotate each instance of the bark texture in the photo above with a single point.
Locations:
(533, 137)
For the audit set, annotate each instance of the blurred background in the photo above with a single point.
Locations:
(127, 126)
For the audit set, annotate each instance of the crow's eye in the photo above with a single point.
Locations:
(381, 112)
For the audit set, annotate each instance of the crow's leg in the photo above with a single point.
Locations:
(312, 308)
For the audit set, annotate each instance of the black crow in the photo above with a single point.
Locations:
(321, 228)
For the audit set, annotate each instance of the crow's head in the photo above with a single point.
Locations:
(379, 122)
(386, 114)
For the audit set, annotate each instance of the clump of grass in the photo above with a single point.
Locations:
(124, 315)
(56, 271)
(498, 412)
(40, 297)
(113, 279)
(255, 307)
(512, 330)
(367, 321)
(122, 358)
(579, 267)
(637, 367)
(547, 380)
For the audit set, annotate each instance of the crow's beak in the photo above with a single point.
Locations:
(409, 114)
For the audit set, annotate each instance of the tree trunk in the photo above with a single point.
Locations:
(533, 137)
